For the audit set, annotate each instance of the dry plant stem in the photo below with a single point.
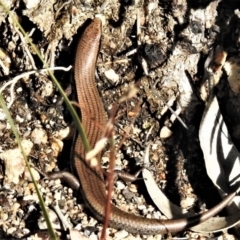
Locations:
(142, 60)
(110, 189)
(126, 131)
(138, 27)
(110, 180)
(130, 53)
(172, 111)
(61, 216)
(104, 5)
(13, 82)
(117, 61)
(31, 32)
(63, 5)
(146, 155)
(109, 132)
(91, 178)
(25, 45)
(148, 133)
(52, 53)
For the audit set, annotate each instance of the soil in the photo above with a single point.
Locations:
(157, 47)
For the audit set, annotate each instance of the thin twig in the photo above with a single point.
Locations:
(170, 108)
(13, 82)
(109, 132)
(26, 47)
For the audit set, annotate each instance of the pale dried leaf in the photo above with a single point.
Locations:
(217, 224)
(221, 156)
(170, 210)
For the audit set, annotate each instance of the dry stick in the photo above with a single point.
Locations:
(126, 132)
(13, 82)
(63, 219)
(149, 132)
(53, 46)
(110, 175)
(170, 108)
(104, 5)
(25, 46)
(63, 5)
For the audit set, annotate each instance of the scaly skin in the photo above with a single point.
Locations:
(91, 179)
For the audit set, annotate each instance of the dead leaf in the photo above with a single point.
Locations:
(221, 156)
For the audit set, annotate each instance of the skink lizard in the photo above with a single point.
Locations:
(91, 179)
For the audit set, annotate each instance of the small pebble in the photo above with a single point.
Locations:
(165, 133)
(120, 235)
(111, 75)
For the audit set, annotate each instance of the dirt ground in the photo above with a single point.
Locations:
(157, 47)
